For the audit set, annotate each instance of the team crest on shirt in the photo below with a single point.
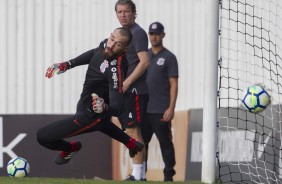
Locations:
(104, 65)
(160, 61)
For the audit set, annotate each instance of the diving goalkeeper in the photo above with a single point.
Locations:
(101, 98)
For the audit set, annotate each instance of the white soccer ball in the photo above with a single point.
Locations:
(255, 99)
(18, 167)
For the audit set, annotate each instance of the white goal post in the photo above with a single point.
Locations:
(210, 91)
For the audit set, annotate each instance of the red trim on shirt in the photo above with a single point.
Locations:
(119, 60)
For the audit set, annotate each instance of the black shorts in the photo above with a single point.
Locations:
(133, 110)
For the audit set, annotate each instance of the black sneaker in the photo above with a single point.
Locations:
(144, 179)
(63, 157)
(131, 178)
(137, 148)
(168, 179)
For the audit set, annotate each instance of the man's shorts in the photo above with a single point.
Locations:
(133, 110)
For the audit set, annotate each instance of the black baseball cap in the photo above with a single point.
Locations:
(156, 27)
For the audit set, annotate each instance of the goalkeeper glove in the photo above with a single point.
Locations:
(57, 68)
(99, 106)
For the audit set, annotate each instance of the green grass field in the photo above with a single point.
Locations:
(33, 180)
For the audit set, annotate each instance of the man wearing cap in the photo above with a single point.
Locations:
(162, 81)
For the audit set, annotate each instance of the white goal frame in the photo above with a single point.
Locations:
(210, 91)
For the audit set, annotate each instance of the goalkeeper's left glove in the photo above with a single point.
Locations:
(57, 68)
(99, 106)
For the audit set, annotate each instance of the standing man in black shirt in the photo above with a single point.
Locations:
(162, 80)
(134, 87)
(100, 99)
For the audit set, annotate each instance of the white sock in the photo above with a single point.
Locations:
(143, 172)
(137, 169)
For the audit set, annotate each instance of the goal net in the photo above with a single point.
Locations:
(249, 145)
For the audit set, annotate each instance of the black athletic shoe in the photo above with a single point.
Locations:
(144, 179)
(63, 157)
(131, 178)
(168, 179)
(137, 148)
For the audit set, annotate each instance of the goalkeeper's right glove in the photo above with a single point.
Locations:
(99, 106)
(57, 68)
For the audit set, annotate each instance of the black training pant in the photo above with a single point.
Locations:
(52, 136)
(153, 124)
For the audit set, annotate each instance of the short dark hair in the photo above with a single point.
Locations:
(126, 2)
(125, 32)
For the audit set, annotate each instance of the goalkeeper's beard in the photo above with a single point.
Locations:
(110, 54)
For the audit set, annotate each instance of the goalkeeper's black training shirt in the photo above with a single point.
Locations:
(104, 77)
